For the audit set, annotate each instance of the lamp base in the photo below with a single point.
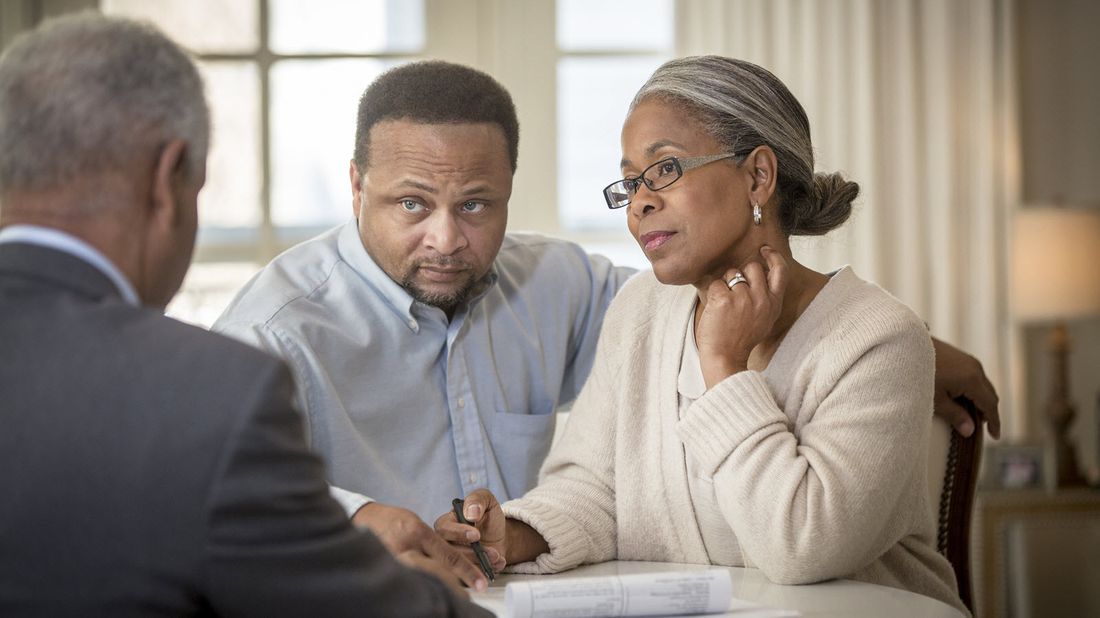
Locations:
(1060, 413)
(1066, 473)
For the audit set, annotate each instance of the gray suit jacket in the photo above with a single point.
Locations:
(148, 467)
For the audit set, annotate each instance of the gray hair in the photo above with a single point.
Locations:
(86, 94)
(743, 106)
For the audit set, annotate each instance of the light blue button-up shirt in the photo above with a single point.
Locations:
(413, 409)
(67, 243)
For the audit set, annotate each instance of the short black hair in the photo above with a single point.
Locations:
(435, 92)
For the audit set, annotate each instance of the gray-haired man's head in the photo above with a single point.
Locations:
(85, 94)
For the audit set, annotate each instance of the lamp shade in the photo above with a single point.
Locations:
(1056, 263)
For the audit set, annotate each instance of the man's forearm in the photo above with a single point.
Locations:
(524, 543)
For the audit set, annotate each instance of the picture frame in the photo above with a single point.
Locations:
(1015, 466)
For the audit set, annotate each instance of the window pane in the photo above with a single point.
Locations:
(203, 26)
(593, 94)
(313, 110)
(347, 26)
(594, 25)
(231, 197)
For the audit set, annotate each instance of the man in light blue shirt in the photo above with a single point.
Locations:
(412, 406)
(430, 349)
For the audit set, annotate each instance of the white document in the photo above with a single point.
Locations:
(642, 594)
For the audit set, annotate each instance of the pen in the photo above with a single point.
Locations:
(482, 559)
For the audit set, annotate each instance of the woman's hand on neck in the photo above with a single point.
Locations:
(749, 320)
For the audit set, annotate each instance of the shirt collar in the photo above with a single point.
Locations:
(67, 243)
(354, 254)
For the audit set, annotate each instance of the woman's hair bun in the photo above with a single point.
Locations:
(825, 209)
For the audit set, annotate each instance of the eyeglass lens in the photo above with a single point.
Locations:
(657, 176)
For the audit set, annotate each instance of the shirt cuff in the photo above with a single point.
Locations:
(349, 500)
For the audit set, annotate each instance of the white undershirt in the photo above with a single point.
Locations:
(718, 538)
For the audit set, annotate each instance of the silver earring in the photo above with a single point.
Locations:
(757, 214)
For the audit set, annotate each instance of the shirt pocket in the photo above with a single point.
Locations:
(521, 442)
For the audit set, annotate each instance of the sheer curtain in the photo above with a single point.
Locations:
(914, 100)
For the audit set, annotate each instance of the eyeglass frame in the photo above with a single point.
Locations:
(682, 165)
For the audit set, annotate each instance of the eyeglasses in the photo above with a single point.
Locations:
(657, 176)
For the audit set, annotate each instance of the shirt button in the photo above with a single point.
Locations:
(473, 478)
(412, 323)
(461, 402)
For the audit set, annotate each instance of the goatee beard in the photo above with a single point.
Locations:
(445, 301)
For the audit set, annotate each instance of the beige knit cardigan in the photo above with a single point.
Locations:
(818, 462)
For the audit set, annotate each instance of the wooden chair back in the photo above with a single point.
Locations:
(955, 475)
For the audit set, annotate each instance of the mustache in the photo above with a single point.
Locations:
(442, 261)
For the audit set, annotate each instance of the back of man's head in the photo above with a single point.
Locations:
(435, 92)
(85, 96)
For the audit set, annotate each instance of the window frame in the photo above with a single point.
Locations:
(266, 240)
(495, 36)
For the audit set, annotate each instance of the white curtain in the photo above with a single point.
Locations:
(913, 100)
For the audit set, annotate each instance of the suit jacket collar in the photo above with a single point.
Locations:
(55, 267)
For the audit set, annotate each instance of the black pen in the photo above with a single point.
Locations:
(482, 559)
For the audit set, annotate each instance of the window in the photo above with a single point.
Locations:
(607, 49)
(284, 79)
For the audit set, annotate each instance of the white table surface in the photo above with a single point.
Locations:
(839, 598)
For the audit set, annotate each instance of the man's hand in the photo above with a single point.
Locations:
(417, 560)
(503, 539)
(487, 526)
(414, 543)
(959, 376)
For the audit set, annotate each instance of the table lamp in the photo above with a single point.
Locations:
(1056, 277)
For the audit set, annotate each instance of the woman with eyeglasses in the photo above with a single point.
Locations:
(743, 409)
